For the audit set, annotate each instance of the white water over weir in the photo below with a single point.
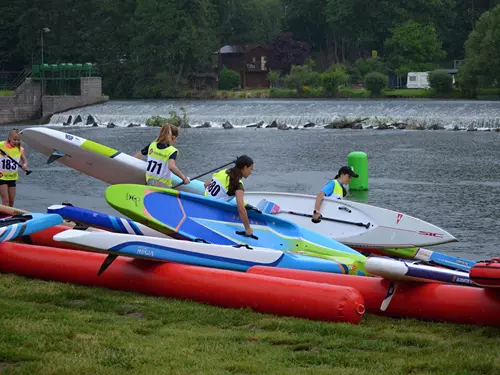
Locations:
(448, 114)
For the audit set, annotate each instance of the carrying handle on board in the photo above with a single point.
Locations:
(242, 233)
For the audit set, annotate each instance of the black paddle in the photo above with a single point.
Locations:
(15, 162)
(269, 207)
(201, 175)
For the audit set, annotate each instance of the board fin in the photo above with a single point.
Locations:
(107, 262)
(55, 155)
(388, 297)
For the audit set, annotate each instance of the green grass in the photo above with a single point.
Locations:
(409, 93)
(227, 94)
(55, 328)
(6, 92)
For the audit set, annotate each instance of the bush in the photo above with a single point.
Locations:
(441, 81)
(272, 77)
(297, 77)
(332, 79)
(373, 64)
(174, 119)
(229, 79)
(376, 82)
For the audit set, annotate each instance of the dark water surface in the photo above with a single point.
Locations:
(450, 179)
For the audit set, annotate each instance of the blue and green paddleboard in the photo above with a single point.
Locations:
(196, 218)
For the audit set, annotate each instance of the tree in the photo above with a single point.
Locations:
(413, 46)
(287, 52)
(248, 21)
(482, 53)
(376, 82)
(441, 81)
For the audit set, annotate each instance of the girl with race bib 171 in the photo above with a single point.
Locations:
(161, 158)
(226, 184)
(9, 166)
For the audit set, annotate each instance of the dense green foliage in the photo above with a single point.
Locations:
(441, 81)
(481, 68)
(146, 48)
(376, 82)
(229, 79)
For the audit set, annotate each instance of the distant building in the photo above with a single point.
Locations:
(250, 60)
(420, 80)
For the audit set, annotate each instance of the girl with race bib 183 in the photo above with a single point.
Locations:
(8, 168)
(161, 158)
(227, 184)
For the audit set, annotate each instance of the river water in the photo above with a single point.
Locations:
(450, 179)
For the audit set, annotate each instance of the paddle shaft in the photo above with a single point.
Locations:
(14, 161)
(367, 225)
(203, 174)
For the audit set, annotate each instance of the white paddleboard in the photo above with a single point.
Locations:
(107, 241)
(386, 229)
(93, 159)
(237, 257)
(409, 271)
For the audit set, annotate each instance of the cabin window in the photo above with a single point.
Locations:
(413, 78)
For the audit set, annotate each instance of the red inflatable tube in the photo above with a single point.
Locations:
(426, 301)
(486, 273)
(224, 288)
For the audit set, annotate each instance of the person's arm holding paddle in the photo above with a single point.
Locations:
(24, 160)
(333, 188)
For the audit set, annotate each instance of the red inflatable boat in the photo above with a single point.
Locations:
(429, 301)
(224, 288)
(486, 273)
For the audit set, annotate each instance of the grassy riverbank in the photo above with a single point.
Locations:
(54, 328)
(483, 94)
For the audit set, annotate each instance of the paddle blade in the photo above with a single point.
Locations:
(268, 207)
(55, 155)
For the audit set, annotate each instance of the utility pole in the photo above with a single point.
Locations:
(42, 31)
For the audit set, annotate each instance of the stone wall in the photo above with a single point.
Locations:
(25, 104)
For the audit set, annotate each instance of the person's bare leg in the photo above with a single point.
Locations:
(4, 194)
(12, 195)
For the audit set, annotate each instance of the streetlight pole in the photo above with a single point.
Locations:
(42, 31)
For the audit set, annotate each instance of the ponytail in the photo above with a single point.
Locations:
(337, 176)
(234, 180)
(167, 132)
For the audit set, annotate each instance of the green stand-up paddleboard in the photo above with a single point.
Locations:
(188, 216)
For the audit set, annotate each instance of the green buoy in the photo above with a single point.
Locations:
(358, 161)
